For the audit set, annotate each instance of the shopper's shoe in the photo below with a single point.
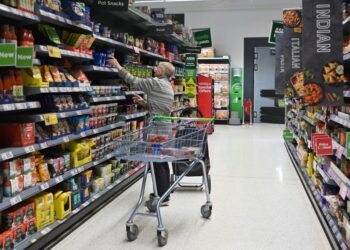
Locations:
(165, 203)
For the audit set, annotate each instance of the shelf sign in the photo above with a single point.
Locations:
(7, 54)
(190, 49)
(324, 146)
(50, 119)
(203, 37)
(347, 145)
(24, 57)
(276, 28)
(191, 75)
(161, 29)
(54, 51)
(113, 5)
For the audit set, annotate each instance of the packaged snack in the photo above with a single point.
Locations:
(40, 134)
(29, 180)
(19, 233)
(44, 173)
(17, 134)
(7, 238)
(30, 226)
(28, 164)
(79, 75)
(46, 74)
(29, 211)
(64, 103)
(70, 102)
(12, 168)
(55, 131)
(63, 77)
(50, 33)
(13, 186)
(55, 74)
(12, 218)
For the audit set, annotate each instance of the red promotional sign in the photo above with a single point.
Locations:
(205, 95)
(324, 146)
(313, 139)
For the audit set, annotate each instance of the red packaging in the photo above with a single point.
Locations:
(30, 226)
(7, 240)
(19, 233)
(29, 211)
(1, 242)
(12, 218)
(17, 134)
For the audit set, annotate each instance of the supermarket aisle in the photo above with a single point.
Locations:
(259, 203)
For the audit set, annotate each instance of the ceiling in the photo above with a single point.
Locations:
(210, 5)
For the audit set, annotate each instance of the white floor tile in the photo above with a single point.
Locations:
(259, 203)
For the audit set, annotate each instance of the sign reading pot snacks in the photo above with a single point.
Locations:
(322, 52)
(113, 5)
(279, 70)
(294, 77)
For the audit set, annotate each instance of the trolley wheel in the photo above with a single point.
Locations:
(206, 211)
(132, 232)
(152, 205)
(162, 236)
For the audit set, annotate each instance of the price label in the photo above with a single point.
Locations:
(54, 52)
(83, 134)
(95, 131)
(15, 200)
(137, 50)
(334, 228)
(74, 172)
(339, 237)
(7, 155)
(96, 196)
(64, 89)
(53, 90)
(62, 115)
(108, 98)
(44, 186)
(50, 119)
(44, 145)
(76, 211)
(29, 149)
(44, 90)
(81, 169)
(113, 126)
(32, 104)
(66, 139)
(109, 156)
(95, 163)
(79, 112)
(343, 191)
(8, 107)
(58, 179)
(109, 187)
(21, 106)
(45, 231)
(86, 204)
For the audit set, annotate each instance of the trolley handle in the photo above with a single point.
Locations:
(168, 118)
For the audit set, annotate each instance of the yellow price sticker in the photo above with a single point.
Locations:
(50, 119)
(54, 51)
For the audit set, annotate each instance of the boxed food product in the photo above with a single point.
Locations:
(7, 240)
(30, 226)
(17, 134)
(13, 186)
(12, 168)
(12, 218)
(19, 233)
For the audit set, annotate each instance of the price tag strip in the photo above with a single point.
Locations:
(7, 155)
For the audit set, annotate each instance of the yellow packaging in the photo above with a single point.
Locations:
(80, 152)
(63, 204)
(32, 78)
(44, 210)
(44, 173)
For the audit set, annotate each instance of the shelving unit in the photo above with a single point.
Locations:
(19, 106)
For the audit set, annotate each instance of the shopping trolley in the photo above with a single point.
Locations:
(164, 140)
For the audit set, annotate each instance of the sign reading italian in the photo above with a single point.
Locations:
(279, 70)
(322, 52)
(293, 69)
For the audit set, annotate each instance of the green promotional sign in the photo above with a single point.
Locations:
(277, 27)
(203, 38)
(347, 147)
(24, 57)
(7, 54)
(191, 76)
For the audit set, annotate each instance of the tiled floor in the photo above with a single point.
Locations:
(259, 203)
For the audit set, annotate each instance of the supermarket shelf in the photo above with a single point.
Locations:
(179, 63)
(337, 146)
(152, 55)
(340, 121)
(339, 177)
(35, 91)
(111, 42)
(96, 69)
(133, 116)
(42, 50)
(179, 93)
(330, 228)
(40, 117)
(19, 106)
(309, 120)
(10, 153)
(107, 98)
(40, 239)
(19, 15)
(54, 19)
(134, 92)
(346, 25)
(26, 194)
(326, 178)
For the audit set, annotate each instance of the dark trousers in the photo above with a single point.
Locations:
(162, 175)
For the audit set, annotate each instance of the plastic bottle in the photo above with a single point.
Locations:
(23, 37)
(2, 34)
(13, 35)
(7, 33)
(30, 38)
(18, 87)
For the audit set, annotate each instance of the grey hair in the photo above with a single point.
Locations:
(167, 68)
